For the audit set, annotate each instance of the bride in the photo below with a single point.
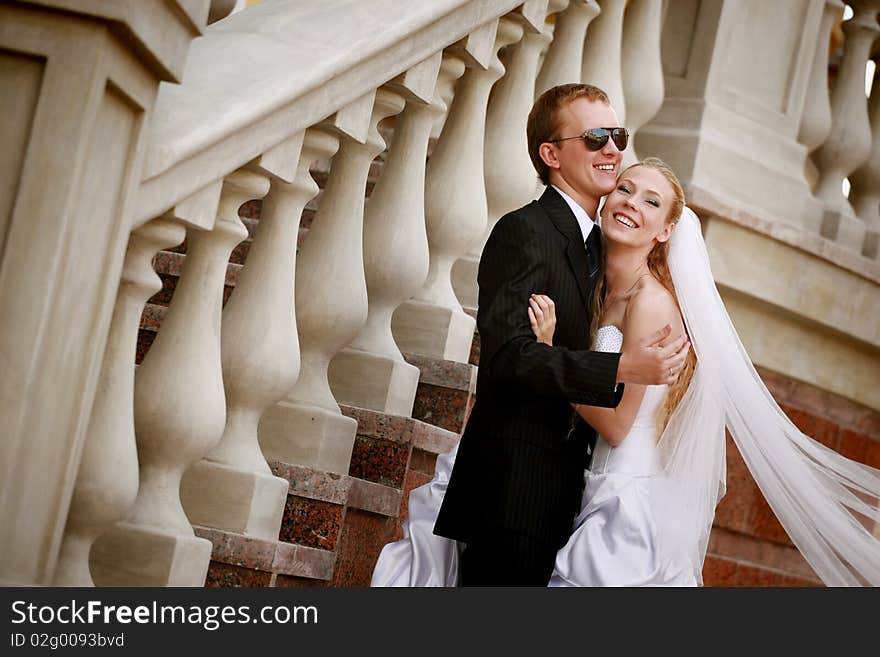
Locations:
(658, 468)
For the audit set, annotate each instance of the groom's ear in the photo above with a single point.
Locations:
(548, 154)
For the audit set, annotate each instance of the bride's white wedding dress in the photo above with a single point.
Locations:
(617, 539)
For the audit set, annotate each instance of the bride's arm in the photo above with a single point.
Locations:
(646, 310)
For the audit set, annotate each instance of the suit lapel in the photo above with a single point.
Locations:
(563, 218)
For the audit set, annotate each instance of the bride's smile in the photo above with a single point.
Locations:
(636, 211)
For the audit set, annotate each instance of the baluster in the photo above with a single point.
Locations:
(511, 180)
(179, 411)
(232, 488)
(865, 192)
(602, 54)
(816, 118)
(371, 372)
(307, 427)
(849, 142)
(642, 68)
(107, 482)
(564, 58)
(434, 323)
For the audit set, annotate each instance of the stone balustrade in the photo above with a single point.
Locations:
(184, 440)
(865, 191)
(848, 144)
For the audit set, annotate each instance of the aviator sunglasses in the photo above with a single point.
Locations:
(596, 138)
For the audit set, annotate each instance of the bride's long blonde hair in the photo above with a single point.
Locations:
(659, 268)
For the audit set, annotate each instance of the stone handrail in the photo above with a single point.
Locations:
(248, 84)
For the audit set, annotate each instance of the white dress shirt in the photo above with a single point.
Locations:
(584, 220)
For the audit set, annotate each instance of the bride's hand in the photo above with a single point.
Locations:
(542, 317)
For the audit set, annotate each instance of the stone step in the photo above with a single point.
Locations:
(446, 391)
(245, 561)
(334, 526)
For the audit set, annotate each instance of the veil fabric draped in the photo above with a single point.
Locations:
(828, 504)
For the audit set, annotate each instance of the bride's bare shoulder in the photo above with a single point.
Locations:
(650, 307)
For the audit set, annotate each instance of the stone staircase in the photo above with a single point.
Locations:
(334, 526)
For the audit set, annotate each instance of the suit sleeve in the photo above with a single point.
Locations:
(515, 264)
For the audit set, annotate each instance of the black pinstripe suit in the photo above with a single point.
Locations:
(518, 475)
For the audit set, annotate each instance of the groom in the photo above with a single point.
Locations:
(516, 486)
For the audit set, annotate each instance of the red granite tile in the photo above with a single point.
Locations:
(788, 581)
(285, 581)
(413, 480)
(251, 210)
(363, 537)
(818, 428)
(736, 507)
(379, 461)
(836, 408)
(312, 523)
(144, 342)
(868, 423)
(152, 316)
(227, 576)
(442, 407)
(474, 358)
(860, 447)
(753, 576)
(718, 572)
(422, 462)
(742, 548)
(764, 523)
(240, 252)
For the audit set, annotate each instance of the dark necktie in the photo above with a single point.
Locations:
(593, 244)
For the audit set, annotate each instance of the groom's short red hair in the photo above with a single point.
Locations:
(542, 123)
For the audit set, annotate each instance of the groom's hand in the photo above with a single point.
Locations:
(654, 361)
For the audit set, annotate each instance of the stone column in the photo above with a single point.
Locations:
(602, 54)
(816, 119)
(371, 372)
(307, 428)
(865, 191)
(642, 68)
(433, 323)
(849, 142)
(107, 483)
(77, 89)
(232, 488)
(564, 59)
(511, 179)
(179, 411)
(729, 134)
